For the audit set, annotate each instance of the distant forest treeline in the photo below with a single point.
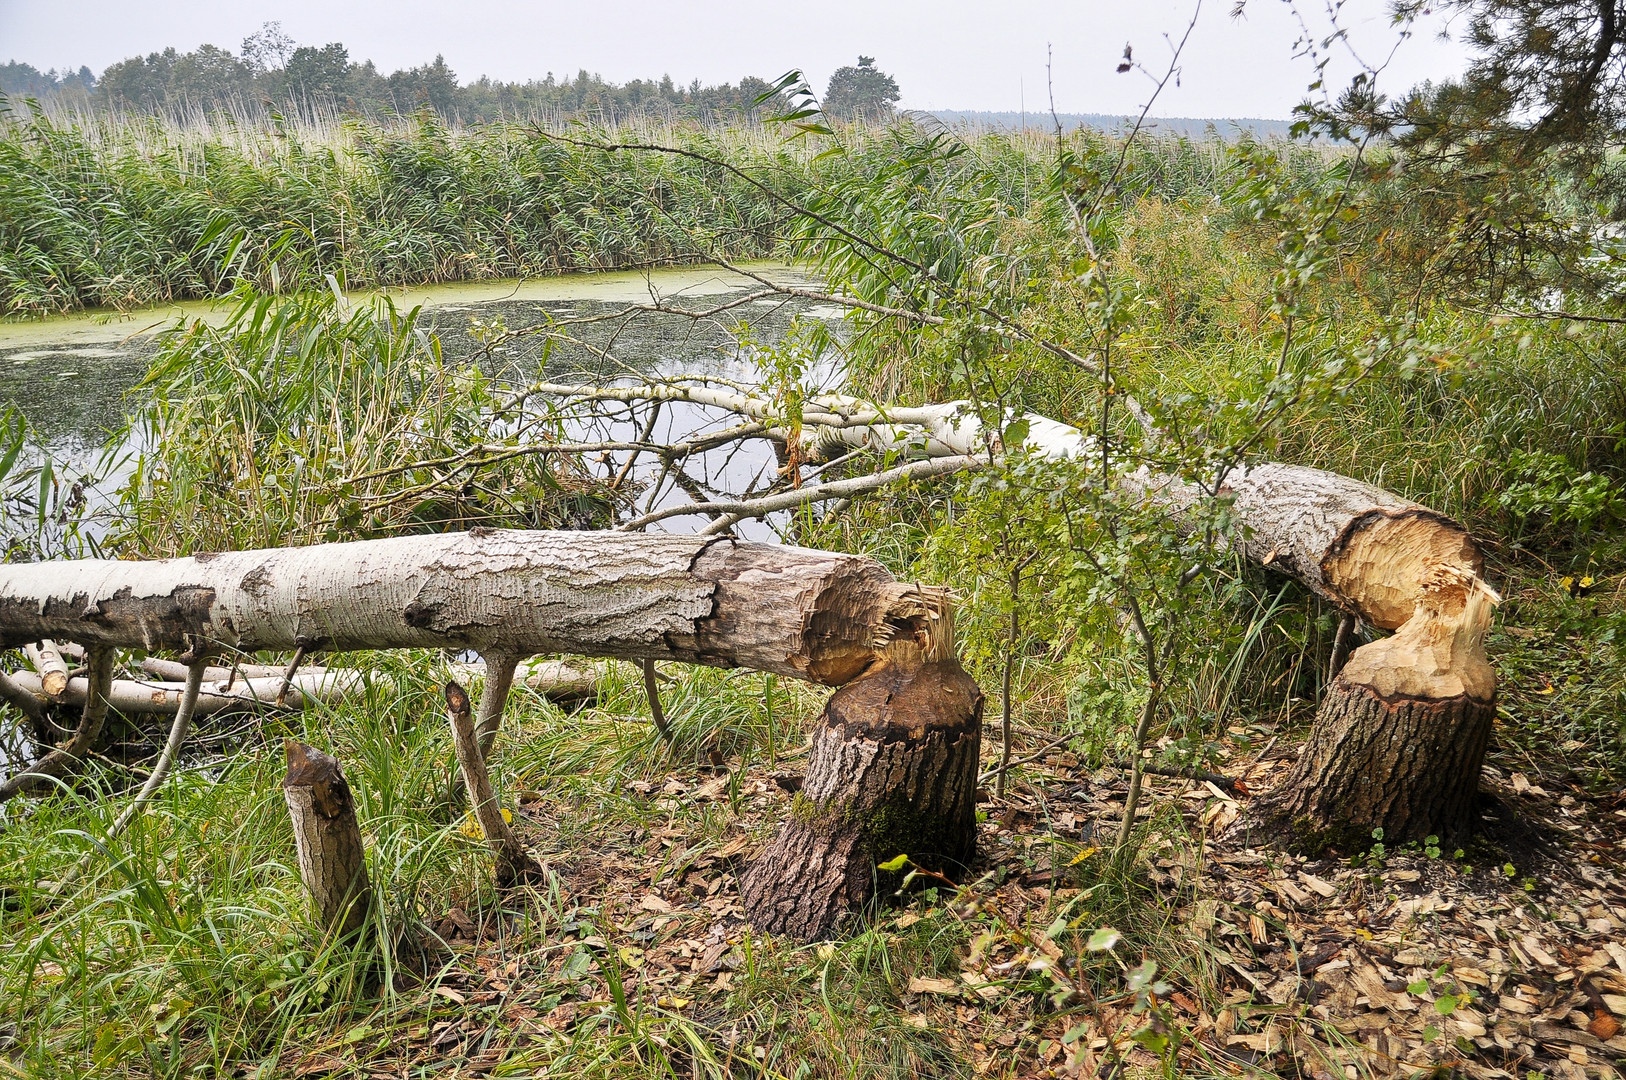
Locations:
(270, 73)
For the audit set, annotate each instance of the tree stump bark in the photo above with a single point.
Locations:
(332, 860)
(893, 772)
(1401, 734)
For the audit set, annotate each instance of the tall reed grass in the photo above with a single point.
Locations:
(107, 210)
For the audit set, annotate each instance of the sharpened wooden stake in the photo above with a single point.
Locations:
(653, 692)
(332, 859)
(513, 864)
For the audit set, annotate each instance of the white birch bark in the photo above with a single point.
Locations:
(132, 696)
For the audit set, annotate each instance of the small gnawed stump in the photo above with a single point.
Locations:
(893, 772)
(332, 861)
(1401, 734)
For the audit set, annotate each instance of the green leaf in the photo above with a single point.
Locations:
(1418, 987)
(894, 864)
(1141, 977)
(1445, 1004)
(1104, 940)
(1154, 1041)
(1016, 432)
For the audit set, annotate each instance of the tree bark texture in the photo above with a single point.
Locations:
(893, 771)
(327, 837)
(809, 614)
(1400, 736)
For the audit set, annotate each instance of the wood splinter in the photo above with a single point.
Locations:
(327, 837)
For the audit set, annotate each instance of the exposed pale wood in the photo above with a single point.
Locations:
(52, 667)
(66, 759)
(893, 772)
(808, 614)
(1401, 734)
(327, 838)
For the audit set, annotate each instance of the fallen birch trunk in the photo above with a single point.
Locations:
(131, 696)
(808, 614)
(175, 671)
(555, 680)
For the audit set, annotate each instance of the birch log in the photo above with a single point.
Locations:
(53, 669)
(327, 837)
(808, 614)
(133, 696)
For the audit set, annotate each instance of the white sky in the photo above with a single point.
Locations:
(947, 54)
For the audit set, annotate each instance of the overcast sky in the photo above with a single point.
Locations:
(946, 54)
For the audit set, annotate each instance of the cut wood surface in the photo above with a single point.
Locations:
(809, 614)
(1365, 550)
(893, 772)
(133, 696)
(327, 838)
(52, 667)
(1401, 734)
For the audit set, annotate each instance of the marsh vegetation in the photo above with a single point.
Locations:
(1183, 310)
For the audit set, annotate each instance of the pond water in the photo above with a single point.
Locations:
(71, 377)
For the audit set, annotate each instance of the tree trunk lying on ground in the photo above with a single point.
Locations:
(893, 772)
(1401, 736)
(813, 615)
(135, 696)
(327, 838)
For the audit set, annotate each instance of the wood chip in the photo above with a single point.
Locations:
(1324, 888)
(918, 985)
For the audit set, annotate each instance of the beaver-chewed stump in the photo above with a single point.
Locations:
(1401, 734)
(893, 772)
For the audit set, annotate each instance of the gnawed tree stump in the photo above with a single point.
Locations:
(1401, 734)
(893, 772)
(327, 837)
